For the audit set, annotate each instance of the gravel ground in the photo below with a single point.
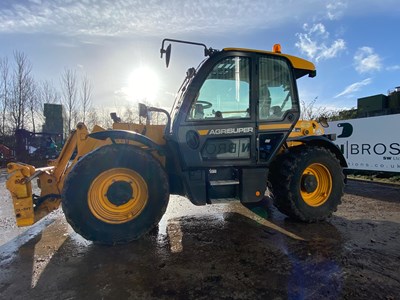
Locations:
(222, 251)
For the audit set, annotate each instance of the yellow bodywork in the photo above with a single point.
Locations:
(153, 132)
(297, 62)
(51, 179)
(305, 128)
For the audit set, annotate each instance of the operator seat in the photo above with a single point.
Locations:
(276, 112)
(264, 103)
(198, 111)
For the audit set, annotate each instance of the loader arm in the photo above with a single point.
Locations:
(29, 207)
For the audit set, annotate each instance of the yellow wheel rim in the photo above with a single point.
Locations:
(117, 195)
(316, 184)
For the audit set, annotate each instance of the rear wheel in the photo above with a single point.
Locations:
(115, 194)
(307, 183)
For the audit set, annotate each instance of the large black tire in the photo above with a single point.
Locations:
(115, 194)
(307, 183)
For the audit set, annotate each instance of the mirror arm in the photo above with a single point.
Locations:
(207, 51)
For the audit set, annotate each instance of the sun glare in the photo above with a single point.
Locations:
(143, 84)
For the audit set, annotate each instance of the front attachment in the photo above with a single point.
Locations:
(28, 207)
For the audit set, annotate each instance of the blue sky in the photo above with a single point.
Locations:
(354, 44)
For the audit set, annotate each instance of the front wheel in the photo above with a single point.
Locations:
(115, 194)
(307, 183)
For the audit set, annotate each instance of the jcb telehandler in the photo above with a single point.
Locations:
(233, 128)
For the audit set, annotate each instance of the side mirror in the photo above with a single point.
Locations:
(167, 53)
(143, 110)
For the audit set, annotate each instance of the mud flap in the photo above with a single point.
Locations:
(253, 183)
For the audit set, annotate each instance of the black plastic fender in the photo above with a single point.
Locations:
(127, 135)
(322, 141)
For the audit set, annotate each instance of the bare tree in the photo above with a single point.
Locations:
(310, 112)
(4, 93)
(99, 116)
(157, 117)
(92, 118)
(22, 86)
(86, 94)
(69, 91)
(75, 117)
(105, 119)
(48, 93)
(34, 104)
(130, 114)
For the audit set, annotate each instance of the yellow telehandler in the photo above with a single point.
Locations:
(234, 127)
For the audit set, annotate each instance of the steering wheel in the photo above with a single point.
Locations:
(205, 104)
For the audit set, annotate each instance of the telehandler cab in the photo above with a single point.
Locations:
(233, 128)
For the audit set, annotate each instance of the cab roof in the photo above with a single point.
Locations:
(301, 66)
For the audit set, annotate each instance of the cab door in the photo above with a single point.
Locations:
(278, 105)
(216, 124)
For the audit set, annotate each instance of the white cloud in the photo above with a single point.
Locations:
(315, 43)
(318, 29)
(354, 88)
(335, 9)
(393, 68)
(144, 17)
(332, 51)
(367, 61)
(36, 1)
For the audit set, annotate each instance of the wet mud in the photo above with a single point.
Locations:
(223, 251)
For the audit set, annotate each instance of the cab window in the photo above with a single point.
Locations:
(275, 88)
(225, 93)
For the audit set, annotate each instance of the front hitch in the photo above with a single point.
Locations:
(28, 210)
